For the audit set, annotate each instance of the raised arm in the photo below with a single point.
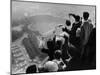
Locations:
(72, 15)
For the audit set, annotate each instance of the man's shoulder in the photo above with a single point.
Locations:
(86, 24)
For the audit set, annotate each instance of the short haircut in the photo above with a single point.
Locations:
(85, 15)
(31, 69)
(77, 18)
(68, 23)
(59, 43)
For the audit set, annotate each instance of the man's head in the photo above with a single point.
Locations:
(31, 69)
(77, 18)
(68, 23)
(59, 43)
(51, 66)
(85, 15)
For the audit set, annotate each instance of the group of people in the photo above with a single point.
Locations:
(73, 49)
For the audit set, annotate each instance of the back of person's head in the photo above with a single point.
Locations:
(50, 66)
(85, 15)
(31, 69)
(50, 44)
(68, 23)
(58, 44)
(77, 18)
(58, 54)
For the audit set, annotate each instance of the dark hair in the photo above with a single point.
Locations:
(31, 69)
(50, 44)
(85, 15)
(58, 44)
(77, 18)
(68, 23)
(57, 54)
